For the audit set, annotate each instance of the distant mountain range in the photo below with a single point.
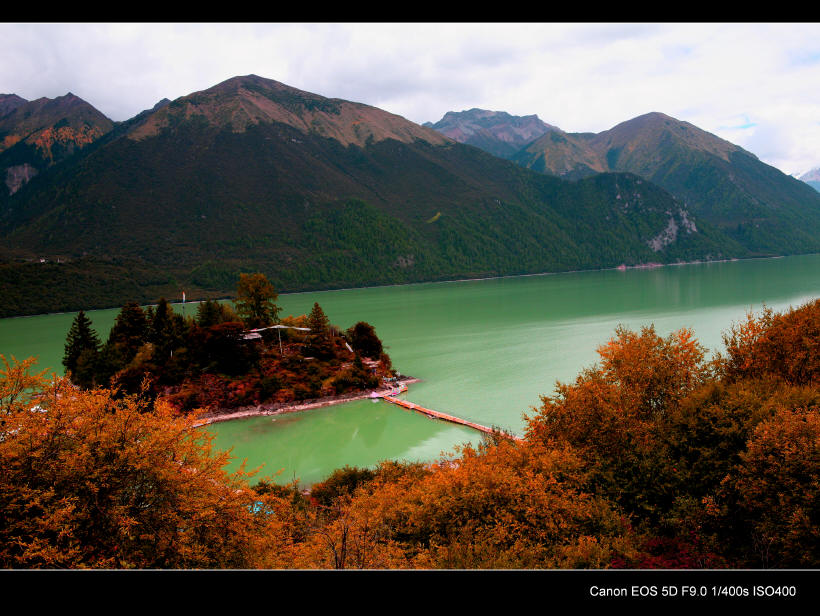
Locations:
(755, 204)
(317, 193)
(812, 178)
(496, 132)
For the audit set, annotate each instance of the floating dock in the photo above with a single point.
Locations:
(443, 416)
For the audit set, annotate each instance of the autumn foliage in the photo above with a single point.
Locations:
(656, 457)
(93, 481)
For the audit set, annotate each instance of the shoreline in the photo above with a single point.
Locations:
(280, 408)
(456, 280)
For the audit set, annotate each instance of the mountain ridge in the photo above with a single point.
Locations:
(317, 193)
(254, 99)
(754, 203)
(10, 102)
(496, 132)
(34, 135)
(812, 178)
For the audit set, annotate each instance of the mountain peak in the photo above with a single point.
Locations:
(496, 132)
(26, 121)
(37, 134)
(10, 102)
(811, 176)
(646, 132)
(247, 80)
(655, 115)
(243, 101)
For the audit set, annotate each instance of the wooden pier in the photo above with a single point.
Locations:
(444, 416)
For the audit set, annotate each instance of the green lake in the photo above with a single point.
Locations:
(484, 349)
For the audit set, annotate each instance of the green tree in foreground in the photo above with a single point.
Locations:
(255, 300)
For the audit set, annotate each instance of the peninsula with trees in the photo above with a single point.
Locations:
(223, 359)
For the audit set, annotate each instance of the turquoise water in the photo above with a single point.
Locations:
(485, 350)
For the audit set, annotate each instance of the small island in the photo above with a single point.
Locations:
(226, 363)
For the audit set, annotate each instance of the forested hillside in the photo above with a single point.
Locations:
(755, 204)
(252, 175)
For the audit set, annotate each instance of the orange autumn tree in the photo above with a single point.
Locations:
(18, 386)
(615, 413)
(784, 346)
(504, 505)
(766, 512)
(93, 481)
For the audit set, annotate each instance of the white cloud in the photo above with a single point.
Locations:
(581, 77)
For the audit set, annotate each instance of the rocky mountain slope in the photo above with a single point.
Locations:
(10, 102)
(496, 132)
(34, 135)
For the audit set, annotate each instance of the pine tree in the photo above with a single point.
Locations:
(81, 351)
(127, 336)
(130, 327)
(318, 322)
(211, 312)
(166, 330)
(318, 342)
(159, 321)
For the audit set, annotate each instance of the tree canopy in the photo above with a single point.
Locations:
(362, 337)
(90, 480)
(255, 300)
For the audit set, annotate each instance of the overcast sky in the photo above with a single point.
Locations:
(756, 85)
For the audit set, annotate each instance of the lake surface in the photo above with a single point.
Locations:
(485, 350)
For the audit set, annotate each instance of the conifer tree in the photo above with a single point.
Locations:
(166, 330)
(159, 321)
(318, 341)
(81, 351)
(130, 327)
(127, 336)
(211, 312)
(255, 300)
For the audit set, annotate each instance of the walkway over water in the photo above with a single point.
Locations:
(438, 415)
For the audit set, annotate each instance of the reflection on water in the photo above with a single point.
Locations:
(308, 445)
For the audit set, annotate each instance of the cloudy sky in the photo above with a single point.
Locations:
(757, 85)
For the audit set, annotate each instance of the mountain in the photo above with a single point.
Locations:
(315, 192)
(10, 102)
(496, 132)
(35, 135)
(567, 155)
(812, 178)
(242, 102)
(755, 204)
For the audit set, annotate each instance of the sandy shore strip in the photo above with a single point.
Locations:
(280, 408)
